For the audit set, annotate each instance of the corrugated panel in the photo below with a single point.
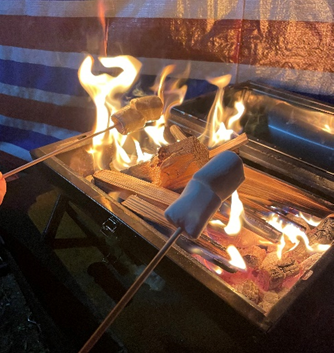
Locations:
(42, 44)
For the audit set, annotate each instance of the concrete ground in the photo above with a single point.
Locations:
(167, 315)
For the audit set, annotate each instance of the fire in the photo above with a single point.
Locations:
(313, 221)
(234, 224)
(104, 90)
(215, 128)
(171, 93)
(236, 258)
(294, 235)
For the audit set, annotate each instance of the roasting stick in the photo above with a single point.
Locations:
(130, 293)
(128, 119)
(190, 213)
(54, 153)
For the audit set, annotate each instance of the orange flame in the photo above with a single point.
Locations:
(171, 95)
(235, 221)
(295, 236)
(236, 258)
(104, 90)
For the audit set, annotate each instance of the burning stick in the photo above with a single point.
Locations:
(233, 144)
(177, 133)
(201, 198)
(125, 120)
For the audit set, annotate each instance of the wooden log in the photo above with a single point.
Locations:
(323, 233)
(232, 144)
(174, 165)
(177, 133)
(108, 179)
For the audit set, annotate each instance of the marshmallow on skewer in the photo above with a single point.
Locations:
(128, 120)
(205, 192)
(134, 116)
(150, 106)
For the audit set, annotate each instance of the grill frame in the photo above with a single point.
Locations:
(100, 207)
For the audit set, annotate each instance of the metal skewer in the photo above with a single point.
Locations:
(53, 153)
(130, 293)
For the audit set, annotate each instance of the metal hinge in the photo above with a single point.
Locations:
(110, 226)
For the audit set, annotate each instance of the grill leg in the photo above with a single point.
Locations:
(50, 231)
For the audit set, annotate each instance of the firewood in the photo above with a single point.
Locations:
(145, 209)
(177, 133)
(272, 276)
(108, 179)
(323, 233)
(232, 144)
(267, 190)
(156, 215)
(174, 165)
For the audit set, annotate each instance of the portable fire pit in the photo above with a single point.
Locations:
(280, 181)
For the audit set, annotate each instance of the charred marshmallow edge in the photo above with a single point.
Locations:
(134, 116)
(205, 192)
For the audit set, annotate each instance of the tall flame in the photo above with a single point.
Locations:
(236, 258)
(171, 94)
(235, 224)
(105, 89)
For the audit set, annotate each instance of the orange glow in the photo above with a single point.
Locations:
(235, 224)
(236, 258)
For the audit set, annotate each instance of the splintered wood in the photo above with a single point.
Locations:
(174, 164)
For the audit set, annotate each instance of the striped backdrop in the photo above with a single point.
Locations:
(288, 44)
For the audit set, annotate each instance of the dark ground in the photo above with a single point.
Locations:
(40, 313)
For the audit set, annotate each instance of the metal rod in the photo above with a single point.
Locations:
(53, 153)
(130, 293)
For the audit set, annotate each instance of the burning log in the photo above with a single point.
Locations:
(272, 275)
(174, 165)
(323, 233)
(155, 214)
